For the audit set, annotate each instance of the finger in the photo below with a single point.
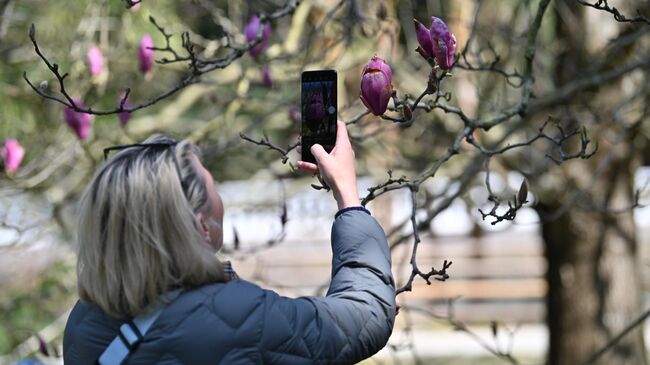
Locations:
(342, 134)
(307, 166)
(318, 152)
(299, 149)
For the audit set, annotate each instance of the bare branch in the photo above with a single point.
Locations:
(517, 202)
(132, 3)
(198, 67)
(604, 6)
(415, 271)
(460, 326)
(264, 141)
(616, 339)
(167, 48)
(371, 191)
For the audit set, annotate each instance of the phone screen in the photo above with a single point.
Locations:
(319, 107)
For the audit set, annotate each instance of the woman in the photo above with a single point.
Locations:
(149, 227)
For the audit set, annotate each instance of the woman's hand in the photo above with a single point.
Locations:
(337, 168)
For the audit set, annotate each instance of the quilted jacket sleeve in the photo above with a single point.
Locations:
(356, 317)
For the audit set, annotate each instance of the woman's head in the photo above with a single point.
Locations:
(149, 221)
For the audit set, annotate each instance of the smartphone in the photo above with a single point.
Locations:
(319, 109)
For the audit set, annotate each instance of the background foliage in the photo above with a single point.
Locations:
(536, 83)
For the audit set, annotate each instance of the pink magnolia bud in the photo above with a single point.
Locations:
(436, 43)
(266, 77)
(145, 53)
(95, 61)
(12, 154)
(124, 116)
(251, 30)
(376, 85)
(444, 43)
(79, 122)
(424, 38)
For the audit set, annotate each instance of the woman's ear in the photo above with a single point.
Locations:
(203, 224)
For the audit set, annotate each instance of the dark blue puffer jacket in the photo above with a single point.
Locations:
(240, 323)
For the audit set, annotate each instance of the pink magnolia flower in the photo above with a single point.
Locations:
(314, 112)
(436, 43)
(266, 77)
(12, 153)
(79, 122)
(124, 116)
(251, 30)
(376, 85)
(145, 54)
(95, 61)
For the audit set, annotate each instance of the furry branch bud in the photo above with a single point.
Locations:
(407, 113)
(523, 193)
(43, 85)
(432, 83)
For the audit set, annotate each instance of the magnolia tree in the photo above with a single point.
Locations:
(477, 89)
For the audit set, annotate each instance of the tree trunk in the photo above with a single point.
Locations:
(593, 274)
(594, 286)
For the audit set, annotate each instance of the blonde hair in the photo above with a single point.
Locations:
(138, 235)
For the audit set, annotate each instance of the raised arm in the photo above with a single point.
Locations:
(356, 318)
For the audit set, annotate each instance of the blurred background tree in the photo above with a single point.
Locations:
(590, 235)
(536, 85)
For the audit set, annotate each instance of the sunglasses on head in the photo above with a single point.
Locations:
(162, 146)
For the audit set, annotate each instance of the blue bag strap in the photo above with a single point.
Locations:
(132, 333)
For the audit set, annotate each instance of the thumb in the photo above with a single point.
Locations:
(318, 152)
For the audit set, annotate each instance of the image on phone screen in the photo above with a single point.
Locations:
(319, 111)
